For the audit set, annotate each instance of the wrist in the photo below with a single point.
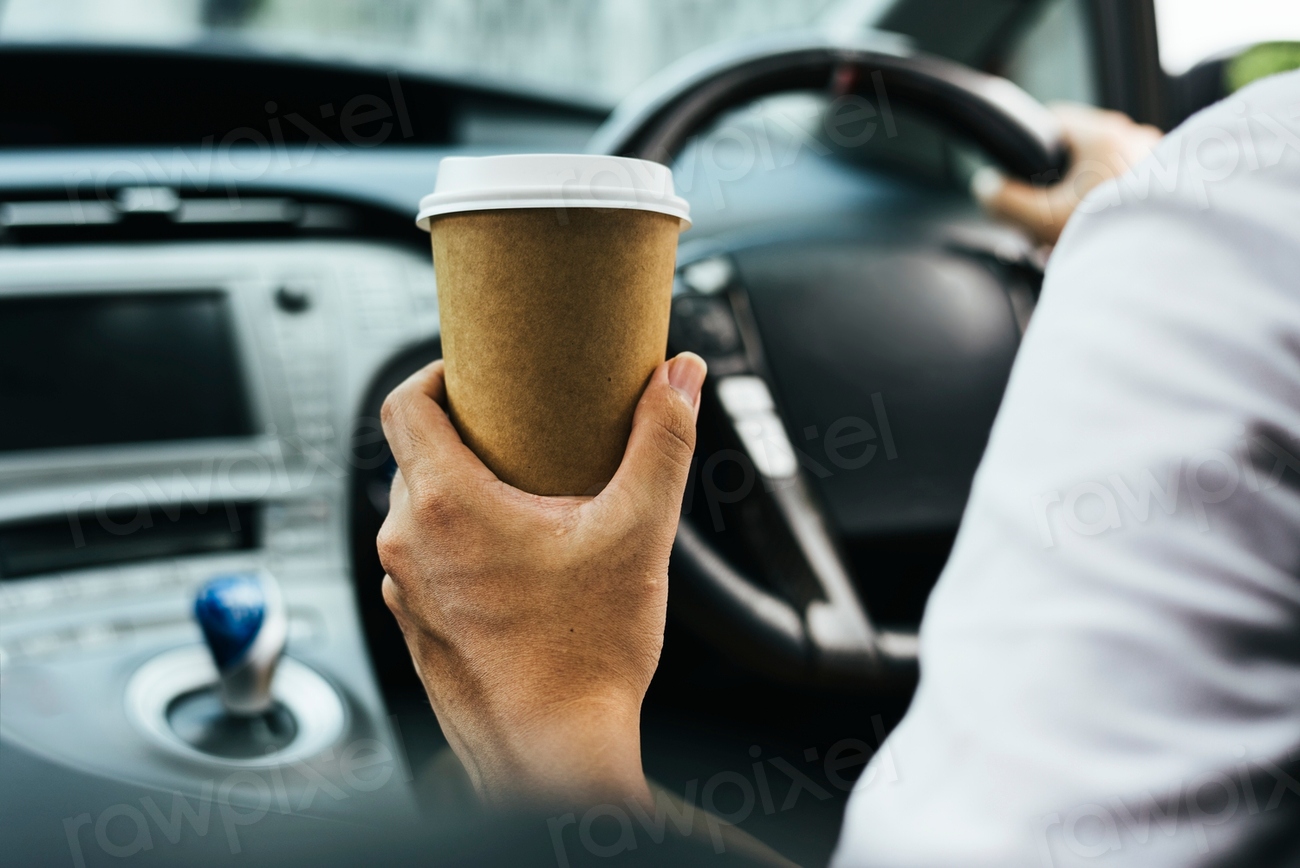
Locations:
(583, 752)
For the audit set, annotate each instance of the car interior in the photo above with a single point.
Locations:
(210, 278)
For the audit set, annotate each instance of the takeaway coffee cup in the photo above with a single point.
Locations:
(554, 287)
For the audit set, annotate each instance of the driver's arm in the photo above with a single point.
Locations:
(1110, 662)
(536, 623)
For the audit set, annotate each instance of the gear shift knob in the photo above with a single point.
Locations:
(244, 625)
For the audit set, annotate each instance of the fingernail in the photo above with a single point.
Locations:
(686, 374)
(986, 183)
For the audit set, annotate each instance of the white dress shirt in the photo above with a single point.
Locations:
(1110, 663)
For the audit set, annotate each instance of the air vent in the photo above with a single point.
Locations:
(163, 213)
(137, 201)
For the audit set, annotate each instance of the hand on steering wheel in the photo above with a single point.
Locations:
(1103, 145)
(536, 623)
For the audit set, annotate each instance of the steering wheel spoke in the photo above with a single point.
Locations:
(832, 634)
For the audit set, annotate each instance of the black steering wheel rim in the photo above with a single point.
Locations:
(1015, 129)
(833, 640)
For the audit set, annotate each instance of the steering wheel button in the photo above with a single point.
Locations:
(749, 403)
(704, 326)
(764, 439)
(742, 396)
(709, 276)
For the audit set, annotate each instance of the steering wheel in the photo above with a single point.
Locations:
(794, 610)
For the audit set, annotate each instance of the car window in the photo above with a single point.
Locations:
(594, 50)
(1191, 31)
(1053, 59)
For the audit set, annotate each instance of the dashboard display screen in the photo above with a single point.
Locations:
(83, 370)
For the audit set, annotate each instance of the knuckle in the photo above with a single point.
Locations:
(391, 411)
(391, 547)
(393, 597)
(429, 500)
(675, 434)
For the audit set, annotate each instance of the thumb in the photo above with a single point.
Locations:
(653, 473)
(1040, 210)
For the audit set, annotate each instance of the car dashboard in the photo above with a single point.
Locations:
(277, 293)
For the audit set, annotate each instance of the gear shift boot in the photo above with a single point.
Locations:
(200, 719)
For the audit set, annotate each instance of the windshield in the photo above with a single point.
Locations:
(590, 50)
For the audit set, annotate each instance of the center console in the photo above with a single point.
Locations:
(184, 412)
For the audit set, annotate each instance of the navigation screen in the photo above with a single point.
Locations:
(96, 369)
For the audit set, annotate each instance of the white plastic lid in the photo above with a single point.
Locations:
(551, 181)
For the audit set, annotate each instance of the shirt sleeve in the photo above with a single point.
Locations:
(1110, 663)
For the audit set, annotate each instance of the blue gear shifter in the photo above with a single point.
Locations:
(243, 622)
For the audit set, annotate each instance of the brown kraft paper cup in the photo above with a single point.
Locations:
(553, 321)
